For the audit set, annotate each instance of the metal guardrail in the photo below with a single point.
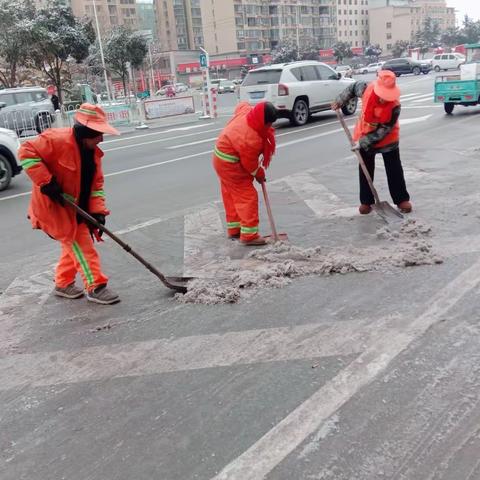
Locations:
(27, 122)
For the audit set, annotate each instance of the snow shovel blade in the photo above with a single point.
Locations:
(386, 211)
(179, 284)
(281, 237)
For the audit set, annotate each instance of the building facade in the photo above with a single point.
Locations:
(179, 24)
(257, 26)
(110, 13)
(394, 23)
(352, 22)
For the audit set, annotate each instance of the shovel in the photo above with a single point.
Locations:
(384, 209)
(277, 237)
(179, 284)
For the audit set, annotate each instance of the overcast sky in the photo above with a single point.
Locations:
(470, 7)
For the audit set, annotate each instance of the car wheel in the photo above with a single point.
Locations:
(437, 68)
(397, 74)
(42, 122)
(365, 72)
(416, 71)
(448, 108)
(300, 113)
(5, 173)
(350, 108)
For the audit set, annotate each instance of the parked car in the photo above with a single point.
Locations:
(344, 70)
(26, 108)
(404, 66)
(237, 81)
(181, 88)
(372, 68)
(447, 61)
(9, 166)
(297, 89)
(226, 86)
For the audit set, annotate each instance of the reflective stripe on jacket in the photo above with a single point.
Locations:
(55, 153)
(381, 112)
(239, 141)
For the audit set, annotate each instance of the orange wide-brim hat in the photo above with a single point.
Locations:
(95, 118)
(385, 86)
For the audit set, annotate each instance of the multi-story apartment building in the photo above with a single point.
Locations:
(146, 17)
(353, 22)
(110, 13)
(179, 24)
(392, 23)
(256, 26)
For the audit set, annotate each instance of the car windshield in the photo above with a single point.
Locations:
(226, 84)
(262, 77)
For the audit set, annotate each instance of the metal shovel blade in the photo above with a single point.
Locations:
(281, 237)
(179, 284)
(386, 211)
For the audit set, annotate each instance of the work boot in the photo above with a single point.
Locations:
(364, 209)
(72, 291)
(405, 206)
(255, 242)
(103, 295)
(235, 236)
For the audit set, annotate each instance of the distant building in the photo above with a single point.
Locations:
(257, 26)
(352, 22)
(390, 24)
(110, 13)
(146, 15)
(179, 24)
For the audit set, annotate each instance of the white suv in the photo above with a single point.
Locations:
(446, 61)
(298, 89)
(9, 167)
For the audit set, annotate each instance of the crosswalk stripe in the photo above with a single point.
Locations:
(316, 196)
(263, 456)
(200, 228)
(158, 356)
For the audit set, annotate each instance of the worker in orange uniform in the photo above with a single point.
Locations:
(378, 131)
(246, 137)
(67, 163)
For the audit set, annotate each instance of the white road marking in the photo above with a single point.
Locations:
(158, 356)
(409, 121)
(403, 97)
(316, 196)
(162, 132)
(19, 304)
(271, 449)
(200, 227)
(161, 140)
(421, 106)
(417, 97)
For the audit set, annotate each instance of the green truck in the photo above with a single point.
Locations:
(451, 90)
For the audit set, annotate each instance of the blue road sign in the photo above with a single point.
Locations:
(203, 60)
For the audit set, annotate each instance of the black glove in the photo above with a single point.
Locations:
(53, 191)
(100, 218)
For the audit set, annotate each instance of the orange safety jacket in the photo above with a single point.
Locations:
(56, 153)
(240, 143)
(382, 114)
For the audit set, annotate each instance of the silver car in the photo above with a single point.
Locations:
(26, 109)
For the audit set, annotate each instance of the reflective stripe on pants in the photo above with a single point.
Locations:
(80, 257)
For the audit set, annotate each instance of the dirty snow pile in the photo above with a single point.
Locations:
(275, 265)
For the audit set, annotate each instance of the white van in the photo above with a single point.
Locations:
(446, 61)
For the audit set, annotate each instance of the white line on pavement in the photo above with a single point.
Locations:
(162, 132)
(159, 140)
(264, 455)
(158, 356)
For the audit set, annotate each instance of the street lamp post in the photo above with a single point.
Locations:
(101, 51)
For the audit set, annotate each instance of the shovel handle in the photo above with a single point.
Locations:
(116, 239)
(269, 211)
(359, 157)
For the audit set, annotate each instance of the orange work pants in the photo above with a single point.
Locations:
(81, 257)
(240, 199)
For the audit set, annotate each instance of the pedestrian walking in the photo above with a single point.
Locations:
(55, 102)
(246, 138)
(378, 131)
(66, 162)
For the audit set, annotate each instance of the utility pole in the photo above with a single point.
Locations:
(298, 31)
(101, 51)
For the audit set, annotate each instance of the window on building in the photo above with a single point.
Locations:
(389, 36)
(389, 46)
(389, 24)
